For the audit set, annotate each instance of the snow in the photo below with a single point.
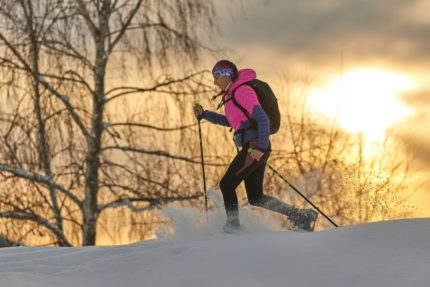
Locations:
(382, 254)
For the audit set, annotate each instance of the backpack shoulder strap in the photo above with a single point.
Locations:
(236, 103)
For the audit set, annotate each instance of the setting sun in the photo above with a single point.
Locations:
(363, 100)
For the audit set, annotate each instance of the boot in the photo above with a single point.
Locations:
(304, 218)
(232, 223)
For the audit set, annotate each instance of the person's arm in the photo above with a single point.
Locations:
(263, 124)
(215, 118)
(210, 116)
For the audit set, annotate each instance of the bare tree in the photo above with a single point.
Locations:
(68, 152)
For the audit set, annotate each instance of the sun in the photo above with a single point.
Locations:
(363, 101)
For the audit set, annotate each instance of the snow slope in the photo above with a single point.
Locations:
(383, 254)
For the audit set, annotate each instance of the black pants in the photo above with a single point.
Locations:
(244, 168)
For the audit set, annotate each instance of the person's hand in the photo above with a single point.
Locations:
(256, 154)
(198, 111)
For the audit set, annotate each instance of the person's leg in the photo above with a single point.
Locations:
(256, 196)
(240, 168)
(301, 218)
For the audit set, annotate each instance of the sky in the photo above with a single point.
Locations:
(369, 60)
(383, 254)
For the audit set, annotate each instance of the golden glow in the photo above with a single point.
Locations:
(363, 101)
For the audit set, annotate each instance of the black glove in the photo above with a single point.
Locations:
(198, 111)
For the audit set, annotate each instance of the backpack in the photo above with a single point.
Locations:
(268, 102)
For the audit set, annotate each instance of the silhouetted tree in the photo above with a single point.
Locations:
(69, 70)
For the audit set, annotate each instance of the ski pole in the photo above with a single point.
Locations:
(296, 190)
(199, 118)
(301, 194)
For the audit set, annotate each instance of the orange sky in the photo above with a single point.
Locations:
(375, 52)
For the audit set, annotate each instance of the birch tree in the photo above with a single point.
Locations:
(67, 152)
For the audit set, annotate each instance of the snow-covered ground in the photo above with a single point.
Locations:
(383, 254)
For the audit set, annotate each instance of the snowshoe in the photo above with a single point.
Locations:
(231, 226)
(304, 219)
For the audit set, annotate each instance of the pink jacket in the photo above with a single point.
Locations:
(245, 95)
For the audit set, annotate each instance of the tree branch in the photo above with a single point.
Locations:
(158, 153)
(22, 215)
(41, 80)
(152, 127)
(153, 202)
(83, 11)
(124, 27)
(131, 90)
(40, 179)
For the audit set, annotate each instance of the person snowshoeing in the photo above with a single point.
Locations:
(250, 162)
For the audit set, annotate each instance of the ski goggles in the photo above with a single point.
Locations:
(222, 71)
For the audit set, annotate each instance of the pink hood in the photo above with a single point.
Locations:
(245, 75)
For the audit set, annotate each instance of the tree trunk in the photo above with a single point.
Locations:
(44, 154)
(91, 210)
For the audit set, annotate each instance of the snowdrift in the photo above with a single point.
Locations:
(383, 254)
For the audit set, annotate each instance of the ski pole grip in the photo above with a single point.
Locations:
(197, 105)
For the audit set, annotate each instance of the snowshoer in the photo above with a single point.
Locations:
(250, 162)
